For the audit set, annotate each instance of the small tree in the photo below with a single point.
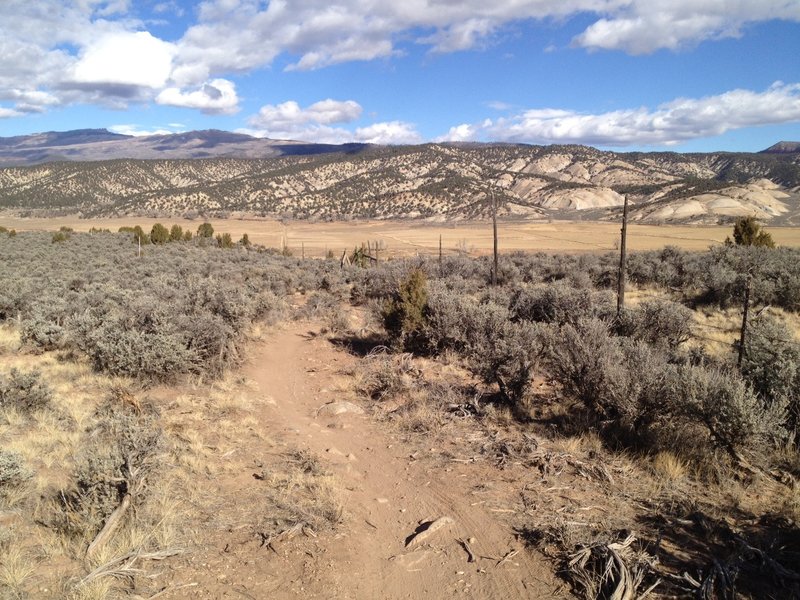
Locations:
(159, 234)
(224, 240)
(404, 313)
(176, 233)
(187, 235)
(748, 232)
(140, 236)
(245, 241)
(205, 231)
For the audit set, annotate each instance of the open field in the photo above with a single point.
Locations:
(402, 238)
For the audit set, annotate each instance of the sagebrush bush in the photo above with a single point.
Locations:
(24, 391)
(735, 417)
(771, 363)
(658, 322)
(13, 471)
(41, 333)
(553, 303)
(117, 457)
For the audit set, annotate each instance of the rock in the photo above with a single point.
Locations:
(426, 530)
(341, 407)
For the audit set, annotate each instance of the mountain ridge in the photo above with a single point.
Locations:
(447, 181)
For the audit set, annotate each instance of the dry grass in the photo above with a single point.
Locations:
(401, 238)
(17, 567)
(668, 467)
(300, 497)
(50, 441)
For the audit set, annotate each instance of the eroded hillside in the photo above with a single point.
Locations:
(436, 180)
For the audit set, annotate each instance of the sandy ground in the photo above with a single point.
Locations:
(387, 494)
(403, 238)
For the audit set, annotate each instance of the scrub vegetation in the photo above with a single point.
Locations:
(90, 328)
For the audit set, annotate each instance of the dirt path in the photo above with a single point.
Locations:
(387, 495)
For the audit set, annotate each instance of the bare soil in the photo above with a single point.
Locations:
(389, 488)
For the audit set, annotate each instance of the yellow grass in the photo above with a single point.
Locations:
(403, 238)
(669, 467)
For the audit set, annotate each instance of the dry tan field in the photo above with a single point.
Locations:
(403, 238)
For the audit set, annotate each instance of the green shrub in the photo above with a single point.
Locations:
(187, 236)
(245, 241)
(224, 240)
(205, 230)
(176, 233)
(159, 234)
(24, 391)
(404, 313)
(747, 232)
(60, 236)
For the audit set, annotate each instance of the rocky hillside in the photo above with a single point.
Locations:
(444, 181)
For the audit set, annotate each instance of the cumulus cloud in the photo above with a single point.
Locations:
(670, 123)
(313, 124)
(125, 59)
(391, 132)
(99, 51)
(461, 133)
(288, 115)
(643, 26)
(138, 131)
(243, 34)
(217, 96)
(7, 113)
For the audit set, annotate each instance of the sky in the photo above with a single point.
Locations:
(680, 75)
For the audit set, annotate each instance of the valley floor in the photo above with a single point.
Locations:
(404, 238)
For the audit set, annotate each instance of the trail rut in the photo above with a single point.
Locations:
(388, 494)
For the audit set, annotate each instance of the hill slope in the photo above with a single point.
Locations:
(447, 181)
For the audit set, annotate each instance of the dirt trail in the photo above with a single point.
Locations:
(387, 494)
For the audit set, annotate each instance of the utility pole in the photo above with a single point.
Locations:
(494, 234)
(623, 256)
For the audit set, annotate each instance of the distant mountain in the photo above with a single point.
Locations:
(100, 144)
(433, 181)
(783, 148)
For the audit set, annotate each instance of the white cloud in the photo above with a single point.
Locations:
(97, 51)
(7, 113)
(461, 133)
(126, 59)
(239, 35)
(671, 123)
(137, 131)
(643, 26)
(391, 132)
(218, 96)
(288, 116)
(288, 121)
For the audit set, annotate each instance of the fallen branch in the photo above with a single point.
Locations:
(110, 528)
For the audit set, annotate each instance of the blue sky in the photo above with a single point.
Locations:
(684, 75)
